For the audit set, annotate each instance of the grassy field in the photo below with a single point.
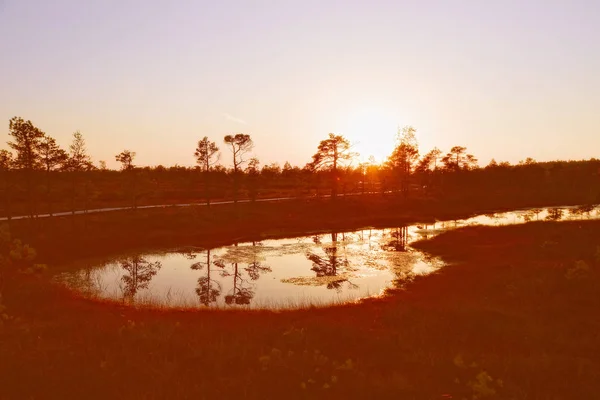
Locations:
(514, 316)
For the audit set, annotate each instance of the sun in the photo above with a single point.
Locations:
(372, 131)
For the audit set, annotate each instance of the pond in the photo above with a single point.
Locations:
(315, 270)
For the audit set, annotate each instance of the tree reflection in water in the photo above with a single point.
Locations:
(88, 286)
(554, 214)
(208, 289)
(243, 289)
(496, 217)
(531, 214)
(398, 240)
(330, 264)
(366, 238)
(139, 274)
(582, 211)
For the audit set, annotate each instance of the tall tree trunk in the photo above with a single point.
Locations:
(334, 189)
(364, 183)
(85, 195)
(208, 292)
(7, 193)
(235, 276)
(235, 178)
(134, 188)
(206, 187)
(236, 185)
(73, 188)
(48, 193)
(29, 192)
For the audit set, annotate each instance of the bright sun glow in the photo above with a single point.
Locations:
(372, 132)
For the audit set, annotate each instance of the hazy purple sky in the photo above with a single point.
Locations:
(507, 79)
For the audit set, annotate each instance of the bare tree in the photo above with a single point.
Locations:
(331, 153)
(240, 145)
(207, 156)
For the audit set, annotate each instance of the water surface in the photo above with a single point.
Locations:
(320, 270)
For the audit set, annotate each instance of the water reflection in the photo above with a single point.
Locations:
(398, 239)
(532, 214)
(554, 214)
(329, 264)
(496, 218)
(242, 290)
(138, 274)
(581, 212)
(319, 269)
(208, 289)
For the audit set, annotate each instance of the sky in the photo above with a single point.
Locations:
(506, 79)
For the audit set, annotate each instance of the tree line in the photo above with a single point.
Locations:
(35, 171)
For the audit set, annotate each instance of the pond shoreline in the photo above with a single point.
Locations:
(65, 239)
(370, 249)
(509, 308)
(202, 240)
